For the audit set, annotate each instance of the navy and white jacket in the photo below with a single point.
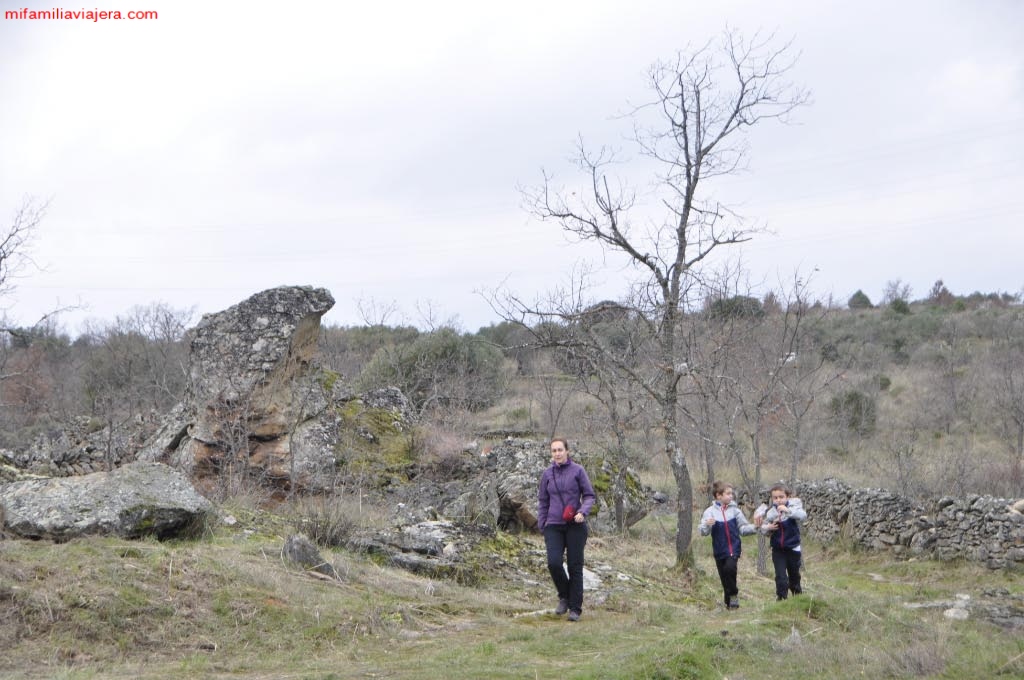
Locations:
(787, 535)
(730, 524)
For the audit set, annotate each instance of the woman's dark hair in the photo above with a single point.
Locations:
(565, 442)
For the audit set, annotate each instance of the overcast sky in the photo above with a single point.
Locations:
(375, 149)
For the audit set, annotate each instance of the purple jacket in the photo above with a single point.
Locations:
(562, 485)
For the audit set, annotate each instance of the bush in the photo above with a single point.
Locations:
(440, 369)
(736, 307)
(859, 301)
(899, 306)
(855, 411)
(829, 352)
(324, 519)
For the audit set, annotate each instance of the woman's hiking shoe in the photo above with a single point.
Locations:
(574, 616)
(734, 602)
(563, 606)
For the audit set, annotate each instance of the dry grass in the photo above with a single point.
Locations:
(228, 606)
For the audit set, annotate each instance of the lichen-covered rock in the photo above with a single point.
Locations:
(251, 388)
(257, 404)
(249, 376)
(439, 549)
(138, 499)
(9, 472)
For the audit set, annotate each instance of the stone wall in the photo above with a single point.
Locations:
(976, 528)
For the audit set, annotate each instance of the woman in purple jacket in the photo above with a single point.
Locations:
(563, 501)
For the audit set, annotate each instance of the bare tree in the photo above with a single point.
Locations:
(952, 384)
(556, 391)
(15, 245)
(805, 374)
(703, 101)
(896, 290)
(622, 409)
(16, 242)
(1007, 385)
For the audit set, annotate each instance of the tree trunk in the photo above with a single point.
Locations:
(796, 454)
(684, 496)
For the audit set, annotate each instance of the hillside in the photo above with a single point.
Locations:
(228, 606)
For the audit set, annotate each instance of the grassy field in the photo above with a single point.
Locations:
(226, 606)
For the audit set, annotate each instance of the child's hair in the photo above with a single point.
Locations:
(719, 487)
(781, 487)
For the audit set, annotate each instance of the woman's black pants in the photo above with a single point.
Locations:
(568, 540)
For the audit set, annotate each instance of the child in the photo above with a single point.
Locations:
(725, 523)
(782, 524)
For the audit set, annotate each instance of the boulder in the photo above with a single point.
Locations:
(138, 499)
(301, 551)
(248, 375)
(254, 399)
(437, 549)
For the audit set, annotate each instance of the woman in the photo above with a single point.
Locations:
(563, 501)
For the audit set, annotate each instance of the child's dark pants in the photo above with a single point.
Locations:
(727, 572)
(787, 571)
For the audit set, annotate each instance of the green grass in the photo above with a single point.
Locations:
(227, 606)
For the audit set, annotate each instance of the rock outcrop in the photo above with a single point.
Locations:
(438, 549)
(255, 404)
(138, 499)
(499, 488)
(513, 470)
(475, 554)
(257, 411)
(82, 446)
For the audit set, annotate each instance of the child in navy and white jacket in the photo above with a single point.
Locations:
(725, 523)
(781, 523)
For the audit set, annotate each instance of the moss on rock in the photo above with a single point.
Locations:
(376, 443)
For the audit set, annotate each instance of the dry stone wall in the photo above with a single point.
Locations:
(976, 528)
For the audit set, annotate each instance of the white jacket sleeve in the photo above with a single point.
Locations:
(796, 510)
(703, 529)
(745, 525)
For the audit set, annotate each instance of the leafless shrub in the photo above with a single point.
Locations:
(328, 520)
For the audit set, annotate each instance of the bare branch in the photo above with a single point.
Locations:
(16, 242)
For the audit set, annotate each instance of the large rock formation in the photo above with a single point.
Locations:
(139, 499)
(254, 403)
